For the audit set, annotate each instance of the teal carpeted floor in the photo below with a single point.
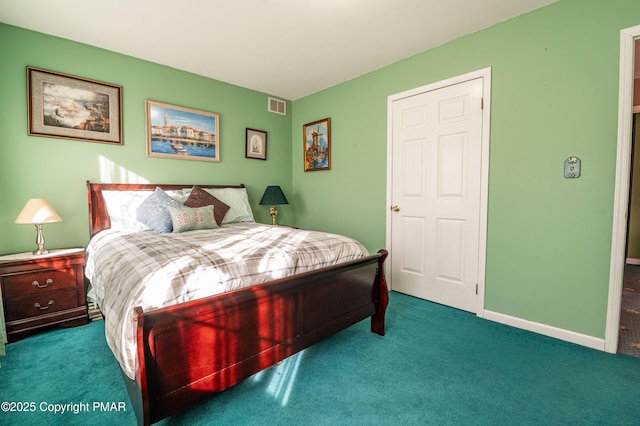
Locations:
(435, 366)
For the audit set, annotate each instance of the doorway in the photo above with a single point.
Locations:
(437, 175)
(629, 330)
(628, 39)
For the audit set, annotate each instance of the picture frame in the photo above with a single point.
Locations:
(71, 107)
(181, 133)
(256, 144)
(317, 145)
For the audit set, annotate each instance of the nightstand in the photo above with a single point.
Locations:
(39, 291)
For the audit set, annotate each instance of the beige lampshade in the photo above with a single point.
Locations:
(38, 210)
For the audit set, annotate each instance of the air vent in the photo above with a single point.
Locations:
(278, 106)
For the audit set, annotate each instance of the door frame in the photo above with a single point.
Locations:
(485, 74)
(621, 195)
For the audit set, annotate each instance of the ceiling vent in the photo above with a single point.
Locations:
(278, 106)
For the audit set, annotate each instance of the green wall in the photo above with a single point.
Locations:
(554, 95)
(57, 169)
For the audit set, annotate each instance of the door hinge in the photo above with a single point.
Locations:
(481, 103)
(476, 288)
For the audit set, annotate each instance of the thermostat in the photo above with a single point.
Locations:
(572, 167)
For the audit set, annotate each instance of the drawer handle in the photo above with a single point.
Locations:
(37, 284)
(37, 305)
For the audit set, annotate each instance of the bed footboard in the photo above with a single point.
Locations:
(189, 351)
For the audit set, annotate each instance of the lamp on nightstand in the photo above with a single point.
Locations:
(273, 196)
(38, 211)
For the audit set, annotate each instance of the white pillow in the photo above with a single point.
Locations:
(180, 195)
(122, 206)
(238, 201)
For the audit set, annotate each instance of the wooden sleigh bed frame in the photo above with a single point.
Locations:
(192, 350)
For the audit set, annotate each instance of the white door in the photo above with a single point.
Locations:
(436, 194)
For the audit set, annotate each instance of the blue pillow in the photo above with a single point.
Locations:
(153, 211)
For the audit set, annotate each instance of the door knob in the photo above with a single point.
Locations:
(395, 208)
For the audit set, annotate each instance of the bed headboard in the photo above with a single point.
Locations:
(98, 214)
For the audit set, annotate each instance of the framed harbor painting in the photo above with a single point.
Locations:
(182, 133)
(317, 145)
(70, 107)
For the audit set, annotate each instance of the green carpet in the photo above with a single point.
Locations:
(435, 366)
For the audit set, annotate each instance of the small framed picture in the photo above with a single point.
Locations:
(317, 145)
(256, 144)
(70, 107)
(182, 133)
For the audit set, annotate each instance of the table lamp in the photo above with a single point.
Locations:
(38, 211)
(273, 196)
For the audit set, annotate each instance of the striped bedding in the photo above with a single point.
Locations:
(150, 270)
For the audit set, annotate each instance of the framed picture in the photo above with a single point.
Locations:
(69, 107)
(182, 133)
(317, 145)
(256, 144)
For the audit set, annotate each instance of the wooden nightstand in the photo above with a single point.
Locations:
(39, 291)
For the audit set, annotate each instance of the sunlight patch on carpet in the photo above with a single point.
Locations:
(281, 378)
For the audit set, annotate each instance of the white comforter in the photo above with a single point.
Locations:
(150, 270)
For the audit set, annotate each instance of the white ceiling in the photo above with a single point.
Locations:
(286, 48)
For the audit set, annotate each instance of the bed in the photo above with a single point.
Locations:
(192, 347)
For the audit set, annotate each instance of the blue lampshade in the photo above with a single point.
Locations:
(273, 195)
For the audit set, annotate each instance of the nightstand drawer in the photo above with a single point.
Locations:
(33, 283)
(40, 305)
(43, 290)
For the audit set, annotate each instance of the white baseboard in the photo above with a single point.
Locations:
(632, 261)
(547, 330)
